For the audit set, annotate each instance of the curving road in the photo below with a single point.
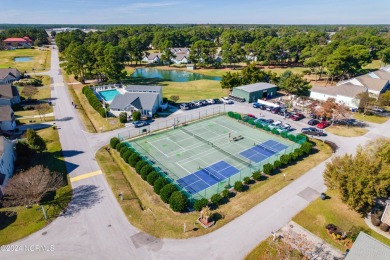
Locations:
(94, 226)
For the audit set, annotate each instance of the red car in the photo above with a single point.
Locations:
(322, 125)
(251, 115)
(297, 117)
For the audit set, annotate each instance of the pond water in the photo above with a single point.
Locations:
(170, 75)
(23, 59)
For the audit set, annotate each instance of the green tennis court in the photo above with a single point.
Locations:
(205, 157)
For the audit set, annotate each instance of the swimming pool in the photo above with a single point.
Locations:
(108, 95)
(23, 59)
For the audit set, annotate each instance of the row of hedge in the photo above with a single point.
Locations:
(299, 138)
(168, 192)
(94, 101)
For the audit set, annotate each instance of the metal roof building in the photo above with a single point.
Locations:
(256, 91)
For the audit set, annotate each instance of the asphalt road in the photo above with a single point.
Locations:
(94, 226)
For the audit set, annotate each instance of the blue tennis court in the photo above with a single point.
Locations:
(209, 176)
(263, 151)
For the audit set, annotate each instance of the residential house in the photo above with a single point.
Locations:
(7, 119)
(152, 57)
(7, 159)
(21, 43)
(183, 50)
(146, 99)
(180, 58)
(366, 247)
(9, 75)
(374, 83)
(9, 95)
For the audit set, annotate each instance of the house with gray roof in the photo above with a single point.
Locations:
(9, 95)
(152, 57)
(7, 159)
(366, 247)
(146, 103)
(9, 75)
(7, 118)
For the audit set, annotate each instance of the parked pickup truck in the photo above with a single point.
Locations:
(312, 131)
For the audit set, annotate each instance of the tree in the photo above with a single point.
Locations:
(123, 117)
(293, 83)
(365, 101)
(139, 165)
(166, 192)
(331, 109)
(145, 171)
(268, 168)
(114, 141)
(384, 99)
(29, 187)
(178, 202)
(35, 141)
(306, 147)
(133, 159)
(238, 186)
(152, 177)
(384, 55)
(361, 178)
(159, 184)
(136, 115)
(174, 98)
(200, 204)
(167, 54)
(216, 199)
(29, 91)
(42, 109)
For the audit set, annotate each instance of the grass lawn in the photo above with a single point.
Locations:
(146, 211)
(268, 250)
(372, 119)
(41, 59)
(30, 220)
(194, 90)
(347, 131)
(34, 120)
(319, 213)
(374, 65)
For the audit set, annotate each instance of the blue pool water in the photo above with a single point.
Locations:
(170, 75)
(108, 95)
(22, 59)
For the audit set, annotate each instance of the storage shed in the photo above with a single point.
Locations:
(255, 91)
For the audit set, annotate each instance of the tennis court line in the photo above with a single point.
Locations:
(157, 149)
(208, 151)
(182, 167)
(85, 176)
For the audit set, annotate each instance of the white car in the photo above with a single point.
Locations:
(284, 127)
(226, 100)
(210, 101)
(275, 124)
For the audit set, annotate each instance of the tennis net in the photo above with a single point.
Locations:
(196, 136)
(214, 175)
(266, 148)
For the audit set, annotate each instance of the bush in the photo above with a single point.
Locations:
(145, 171)
(226, 193)
(178, 202)
(301, 137)
(284, 134)
(114, 141)
(251, 122)
(200, 204)
(259, 125)
(123, 117)
(133, 160)
(166, 192)
(230, 114)
(102, 111)
(247, 180)
(139, 165)
(257, 175)
(294, 156)
(266, 128)
(268, 168)
(127, 154)
(237, 116)
(136, 115)
(299, 151)
(375, 220)
(119, 146)
(238, 186)
(277, 164)
(152, 177)
(159, 184)
(216, 199)
(123, 150)
(306, 147)
(291, 137)
(285, 159)
(384, 227)
(35, 141)
(275, 131)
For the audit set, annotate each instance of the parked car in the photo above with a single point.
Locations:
(275, 110)
(285, 127)
(139, 124)
(378, 109)
(226, 100)
(203, 102)
(312, 131)
(197, 103)
(217, 100)
(313, 122)
(269, 121)
(239, 99)
(275, 124)
(256, 105)
(210, 101)
(297, 117)
(322, 125)
(251, 115)
(261, 120)
(185, 106)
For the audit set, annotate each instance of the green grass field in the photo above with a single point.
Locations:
(347, 131)
(194, 90)
(333, 211)
(41, 59)
(371, 118)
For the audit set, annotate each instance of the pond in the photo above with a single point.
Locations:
(23, 59)
(170, 75)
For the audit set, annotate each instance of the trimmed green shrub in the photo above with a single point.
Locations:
(291, 137)
(123, 117)
(152, 177)
(133, 160)
(237, 116)
(268, 168)
(299, 151)
(119, 146)
(306, 147)
(200, 204)
(294, 156)
(127, 154)
(159, 184)
(166, 192)
(139, 165)
(230, 114)
(102, 112)
(251, 122)
(275, 131)
(266, 128)
(247, 180)
(177, 201)
(136, 115)
(277, 164)
(284, 134)
(145, 171)
(114, 141)
(259, 125)
(257, 175)
(301, 137)
(123, 150)
(285, 159)
(238, 186)
(226, 193)
(216, 199)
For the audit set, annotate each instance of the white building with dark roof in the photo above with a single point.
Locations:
(7, 159)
